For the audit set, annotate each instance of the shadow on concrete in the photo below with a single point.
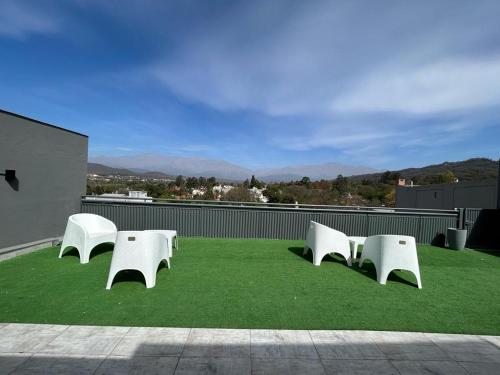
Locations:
(219, 351)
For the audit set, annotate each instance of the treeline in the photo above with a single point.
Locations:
(341, 191)
(180, 187)
(348, 190)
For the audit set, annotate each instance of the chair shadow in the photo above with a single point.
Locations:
(98, 250)
(134, 276)
(369, 271)
(299, 251)
(101, 249)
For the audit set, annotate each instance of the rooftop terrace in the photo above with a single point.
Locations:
(250, 283)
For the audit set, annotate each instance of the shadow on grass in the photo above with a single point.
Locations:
(133, 276)
(368, 269)
(96, 251)
(299, 251)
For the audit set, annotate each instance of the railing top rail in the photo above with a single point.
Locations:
(259, 205)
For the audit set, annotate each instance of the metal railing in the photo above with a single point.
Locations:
(269, 220)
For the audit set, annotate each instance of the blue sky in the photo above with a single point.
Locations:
(386, 84)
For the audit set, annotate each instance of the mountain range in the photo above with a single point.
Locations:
(221, 169)
(475, 169)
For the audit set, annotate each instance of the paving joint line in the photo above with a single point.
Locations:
(179, 357)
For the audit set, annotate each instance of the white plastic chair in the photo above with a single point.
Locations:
(324, 240)
(141, 251)
(391, 252)
(86, 231)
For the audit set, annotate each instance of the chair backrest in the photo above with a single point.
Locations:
(397, 247)
(133, 242)
(318, 233)
(93, 223)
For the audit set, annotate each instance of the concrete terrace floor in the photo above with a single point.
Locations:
(56, 349)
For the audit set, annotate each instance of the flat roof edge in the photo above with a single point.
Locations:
(41, 122)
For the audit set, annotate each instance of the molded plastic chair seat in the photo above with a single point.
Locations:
(324, 240)
(390, 252)
(86, 231)
(171, 236)
(141, 251)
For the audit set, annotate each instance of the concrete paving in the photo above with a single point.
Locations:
(60, 349)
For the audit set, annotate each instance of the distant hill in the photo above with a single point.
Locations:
(173, 166)
(477, 169)
(224, 170)
(104, 170)
(326, 171)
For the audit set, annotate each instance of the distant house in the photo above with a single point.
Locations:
(259, 194)
(220, 190)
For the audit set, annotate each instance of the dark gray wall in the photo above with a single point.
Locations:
(482, 228)
(449, 196)
(51, 167)
(265, 222)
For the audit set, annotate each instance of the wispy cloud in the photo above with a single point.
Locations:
(264, 82)
(449, 85)
(19, 19)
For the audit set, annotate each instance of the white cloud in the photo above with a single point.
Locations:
(320, 57)
(19, 20)
(449, 85)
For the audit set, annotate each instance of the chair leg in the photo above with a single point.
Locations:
(111, 277)
(85, 255)
(317, 258)
(417, 276)
(306, 249)
(349, 261)
(63, 246)
(382, 277)
(150, 278)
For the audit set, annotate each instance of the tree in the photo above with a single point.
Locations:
(98, 190)
(341, 184)
(306, 181)
(255, 183)
(191, 182)
(179, 181)
(443, 178)
(239, 194)
(389, 178)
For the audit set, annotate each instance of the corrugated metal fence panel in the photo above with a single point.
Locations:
(431, 227)
(264, 222)
(400, 224)
(470, 216)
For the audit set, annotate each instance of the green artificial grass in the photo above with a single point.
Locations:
(240, 283)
